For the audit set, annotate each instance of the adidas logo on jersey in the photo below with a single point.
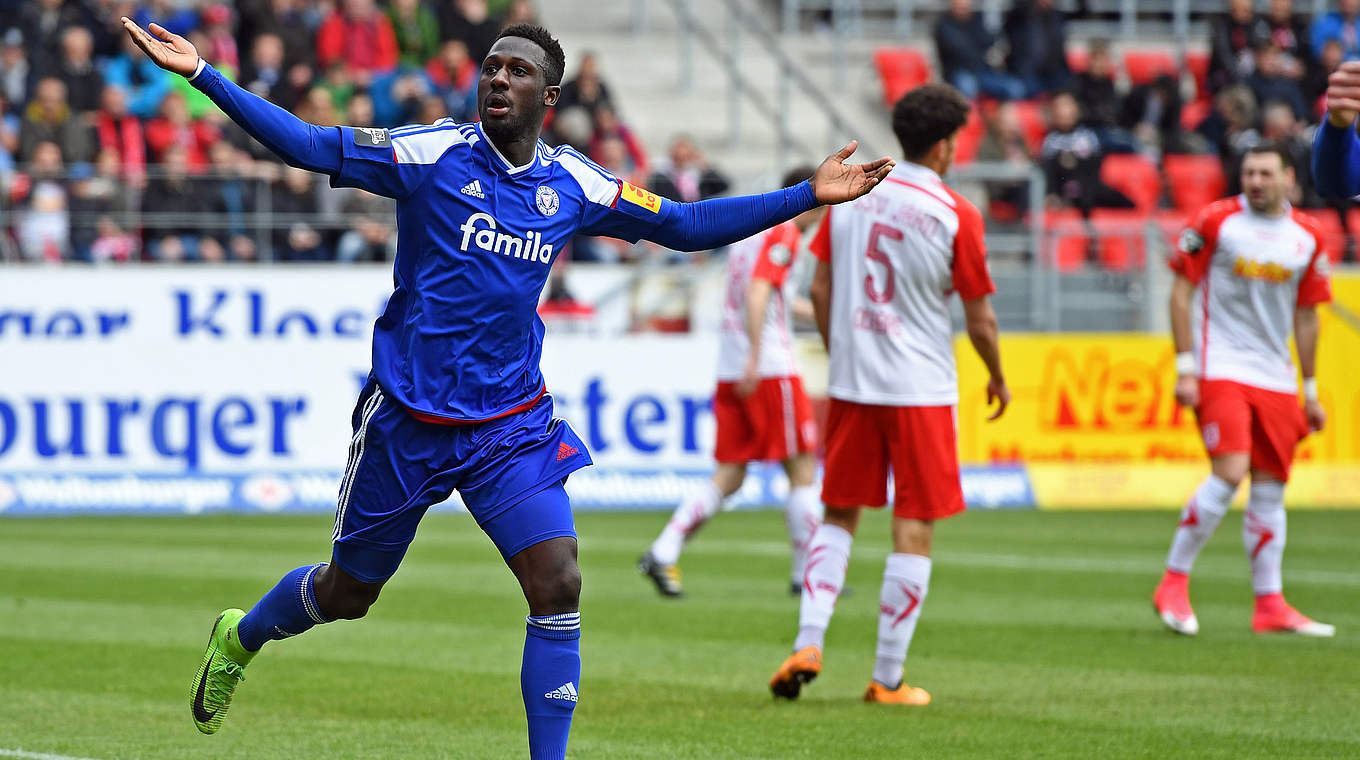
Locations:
(530, 247)
(474, 188)
(566, 691)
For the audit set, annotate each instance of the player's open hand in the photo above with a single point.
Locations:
(1343, 94)
(838, 182)
(1317, 418)
(166, 49)
(998, 394)
(1187, 391)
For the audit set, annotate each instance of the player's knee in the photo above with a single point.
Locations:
(353, 603)
(558, 591)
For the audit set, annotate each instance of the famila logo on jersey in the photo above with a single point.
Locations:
(530, 247)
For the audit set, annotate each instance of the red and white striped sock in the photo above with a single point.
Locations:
(906, 579)
(828, 556)
(802, 515)
(692, 513)
(1199, 520)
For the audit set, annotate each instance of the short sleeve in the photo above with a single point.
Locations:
(393, 162)
(776, 255)
(970, 275)
(1315, 286)
(1196, 245)
(821, 240)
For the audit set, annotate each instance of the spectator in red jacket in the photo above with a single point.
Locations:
(120, 133)
(607, 126)
(359, 36)
(174, 128)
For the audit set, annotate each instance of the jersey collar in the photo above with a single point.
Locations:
(503, 162)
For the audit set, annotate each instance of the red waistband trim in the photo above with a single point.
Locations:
(526, 406)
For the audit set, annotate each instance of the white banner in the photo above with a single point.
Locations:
(139, 386)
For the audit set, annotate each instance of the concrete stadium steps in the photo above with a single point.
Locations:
(644, 70)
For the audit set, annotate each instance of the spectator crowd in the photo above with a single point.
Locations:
(105, 157)
(1109, 138)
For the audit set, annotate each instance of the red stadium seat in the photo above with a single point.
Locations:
(1143, 66)
(1121, 238)
(1197, 63)
(1078, 59)
(1333, 234)
(1065, 240)
(1135, 177)
(901, 69)
(1032, 123)
(1194, 182)
(970, 138)
(1195, 112)
(1171, 222)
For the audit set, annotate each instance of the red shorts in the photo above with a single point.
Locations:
(919, 444)
(772, 424)
(1236, 418)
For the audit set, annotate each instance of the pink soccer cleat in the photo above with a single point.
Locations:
(1275, 615)
(1172, 602)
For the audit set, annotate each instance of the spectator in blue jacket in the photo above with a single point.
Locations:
(145, 83)
(962, 42)
(1342, 25)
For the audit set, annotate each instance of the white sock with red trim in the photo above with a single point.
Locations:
(802, 515)
(1199, 520)
(828, 555)
(692, 513)
(1263, 535)
(906, 578)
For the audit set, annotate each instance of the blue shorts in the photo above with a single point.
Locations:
(508, 471)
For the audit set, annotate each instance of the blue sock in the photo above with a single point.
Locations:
(549, 679)
(287, 610)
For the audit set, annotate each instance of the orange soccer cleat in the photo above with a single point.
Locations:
(801, 667)
(902, 695)
(1275, 615)
(1172, 602)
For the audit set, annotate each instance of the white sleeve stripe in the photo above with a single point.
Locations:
(597, 189)
(425, 147)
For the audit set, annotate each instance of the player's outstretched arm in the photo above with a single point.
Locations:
(722, 221)
(1336, 147)
(298, 143)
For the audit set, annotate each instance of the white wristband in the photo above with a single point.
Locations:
(1186, 366)
(1310, 389)
(198, 69)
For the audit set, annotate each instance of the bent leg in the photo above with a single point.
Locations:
(691, 514)
(828, 557)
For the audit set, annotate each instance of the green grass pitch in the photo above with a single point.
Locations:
(1037, 640)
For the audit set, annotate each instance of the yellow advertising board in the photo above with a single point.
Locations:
(1095, 421)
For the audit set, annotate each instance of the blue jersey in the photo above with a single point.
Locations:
(461, 338)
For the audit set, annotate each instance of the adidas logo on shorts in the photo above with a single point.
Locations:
(474, 188)
(566, 691)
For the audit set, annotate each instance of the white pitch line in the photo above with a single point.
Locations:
(26, 755)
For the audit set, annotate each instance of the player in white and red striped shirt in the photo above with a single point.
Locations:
(1255, 269)
(762, 412)
(890, 264)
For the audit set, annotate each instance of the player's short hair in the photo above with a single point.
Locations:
(800, 173)
(927, 115)
(555, 63)
(1271, 147)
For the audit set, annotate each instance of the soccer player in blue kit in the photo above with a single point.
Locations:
(456, 399)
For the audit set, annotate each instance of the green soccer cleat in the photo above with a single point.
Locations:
(223, 667)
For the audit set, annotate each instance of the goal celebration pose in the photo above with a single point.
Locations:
(889, 264)
(762, 412)
(456, 399)
(1257, 269)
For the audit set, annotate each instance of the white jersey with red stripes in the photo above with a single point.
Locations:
(1251, 272)
(767, 256)
(897, 255)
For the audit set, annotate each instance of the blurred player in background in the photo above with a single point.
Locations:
(762, 412)
(456, 399)
(1256, 268)
(881, 293)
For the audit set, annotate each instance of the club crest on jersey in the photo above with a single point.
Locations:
(1191, 241)
(547, 200)
(372, 137)
(780, 255)
(488, 238)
